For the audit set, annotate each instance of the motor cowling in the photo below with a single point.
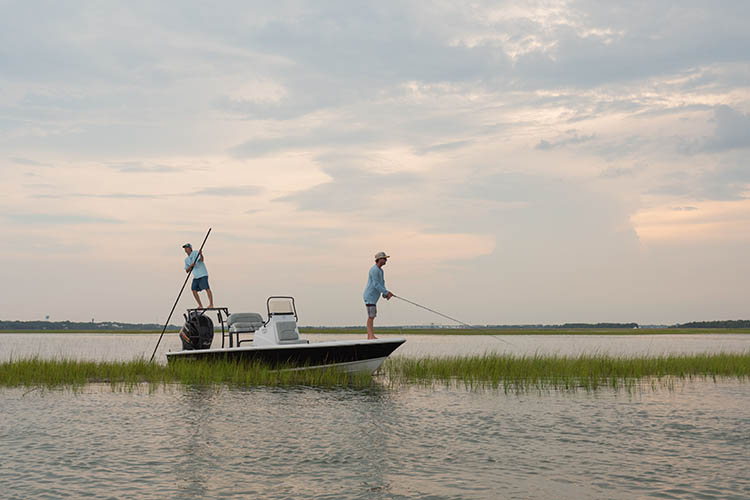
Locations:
(197, 332)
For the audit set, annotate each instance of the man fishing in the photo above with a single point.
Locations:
(195, 262)
(374, 289)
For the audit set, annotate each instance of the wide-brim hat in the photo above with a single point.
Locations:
(382, 255)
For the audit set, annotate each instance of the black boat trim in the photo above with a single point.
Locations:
(314, 354)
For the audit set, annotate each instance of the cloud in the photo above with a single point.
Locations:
(388, 124)
(255, 148)
(725, 182)
(25, 161)
(339, 67)
(506, 187)
(58, 219)
(595, 44)
(247, 190)
(523, 208)
(617, 172)
(571, 137)
(230, 191)
(139, 168)
(350, 189)
(713, 222)
(442, 147)
(732, 130)
(684, 209)
(112, 196)
(439, 124)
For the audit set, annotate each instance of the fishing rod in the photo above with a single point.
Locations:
(448, 317)
(178, 297)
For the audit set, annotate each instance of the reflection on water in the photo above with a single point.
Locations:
(375, 443)
(129, 346)
(195, 464)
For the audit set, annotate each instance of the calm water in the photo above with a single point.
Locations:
(406, 442)
(375, 443)
(125, 347)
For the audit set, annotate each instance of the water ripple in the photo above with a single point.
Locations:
(374, 443)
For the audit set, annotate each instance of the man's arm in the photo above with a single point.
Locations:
(189, 267)
(385, 292)
(378, 282)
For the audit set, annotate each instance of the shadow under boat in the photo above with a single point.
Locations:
(275, 341)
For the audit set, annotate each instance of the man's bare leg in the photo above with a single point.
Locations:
(370, 333)
(197, 299)
(210, 298)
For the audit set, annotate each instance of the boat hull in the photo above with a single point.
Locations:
(350, 356)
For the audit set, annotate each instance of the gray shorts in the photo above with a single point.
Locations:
(200, 284)
(372, 310)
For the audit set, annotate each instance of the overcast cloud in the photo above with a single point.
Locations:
(523, 162)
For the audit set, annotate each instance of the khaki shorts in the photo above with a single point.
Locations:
(372, 310)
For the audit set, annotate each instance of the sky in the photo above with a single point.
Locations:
(522, 162)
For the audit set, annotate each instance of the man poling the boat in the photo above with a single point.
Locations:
(200, 252)
(374, 289)
(195, 262)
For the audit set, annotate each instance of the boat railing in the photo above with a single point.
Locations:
(222, 313)
(281, 305)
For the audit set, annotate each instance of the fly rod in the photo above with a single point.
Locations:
(448, 317)
(178, 297)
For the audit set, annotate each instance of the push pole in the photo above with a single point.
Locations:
(178, 298)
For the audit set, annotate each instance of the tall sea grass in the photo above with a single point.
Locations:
(507, 372)
(52, 373)
(588, 372)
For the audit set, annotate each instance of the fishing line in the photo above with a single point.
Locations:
(452, 319)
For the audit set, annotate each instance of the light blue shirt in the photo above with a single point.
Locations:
(199, 270)
(375, 285)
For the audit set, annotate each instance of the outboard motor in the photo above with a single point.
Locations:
(197, 332)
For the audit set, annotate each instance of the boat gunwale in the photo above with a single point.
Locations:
(329, 343)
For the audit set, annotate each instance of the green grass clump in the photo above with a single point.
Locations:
(511, 373)
(589, 372)
(52, 373)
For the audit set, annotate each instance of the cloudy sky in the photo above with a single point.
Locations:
(523, 162)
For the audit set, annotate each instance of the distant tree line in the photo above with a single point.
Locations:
(79, 326)
(599, 325)
(734, 323)
(568, 326)
(114, 326)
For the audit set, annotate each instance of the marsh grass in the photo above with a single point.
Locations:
(126, 375)
(516, 374)
(520, 374)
